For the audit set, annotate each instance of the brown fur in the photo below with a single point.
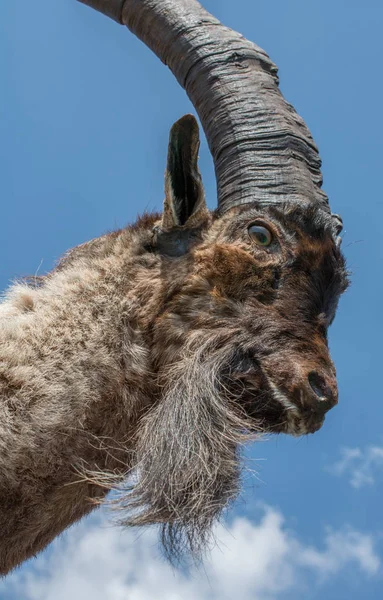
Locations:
(136, 357)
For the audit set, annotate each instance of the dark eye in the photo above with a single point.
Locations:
(260, 235)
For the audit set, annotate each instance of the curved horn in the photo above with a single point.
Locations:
(262, 150)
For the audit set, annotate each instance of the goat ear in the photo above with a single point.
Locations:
(184, 193)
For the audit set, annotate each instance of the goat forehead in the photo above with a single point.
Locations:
(314, 221)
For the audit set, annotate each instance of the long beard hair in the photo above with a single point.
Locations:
(187, 456)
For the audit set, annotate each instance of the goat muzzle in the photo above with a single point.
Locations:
(304, 392)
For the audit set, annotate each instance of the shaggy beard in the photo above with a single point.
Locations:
(187, 461)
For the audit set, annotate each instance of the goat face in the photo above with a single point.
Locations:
(237, 335)
(250, 296)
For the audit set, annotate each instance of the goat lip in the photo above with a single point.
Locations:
(301, 418)
(301, 425)
(308, 420)
(314, 425)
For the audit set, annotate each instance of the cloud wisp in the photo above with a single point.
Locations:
(361, 466)
(251, 561)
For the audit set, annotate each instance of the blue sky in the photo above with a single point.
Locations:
(85, 113)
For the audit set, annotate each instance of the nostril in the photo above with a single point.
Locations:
(320, 387)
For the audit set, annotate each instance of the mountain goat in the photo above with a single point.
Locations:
(158, 349)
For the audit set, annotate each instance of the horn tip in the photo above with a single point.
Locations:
(110, 8)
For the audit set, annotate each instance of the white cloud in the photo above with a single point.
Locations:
(360, 465)
(251, 561)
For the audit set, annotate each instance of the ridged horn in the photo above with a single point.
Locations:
(262, 150)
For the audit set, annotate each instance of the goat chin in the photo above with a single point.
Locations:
(187, 462)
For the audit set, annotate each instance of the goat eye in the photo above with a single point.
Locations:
(260, 235)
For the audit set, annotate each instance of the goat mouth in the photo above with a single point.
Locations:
(297, 422)
(267, 405)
